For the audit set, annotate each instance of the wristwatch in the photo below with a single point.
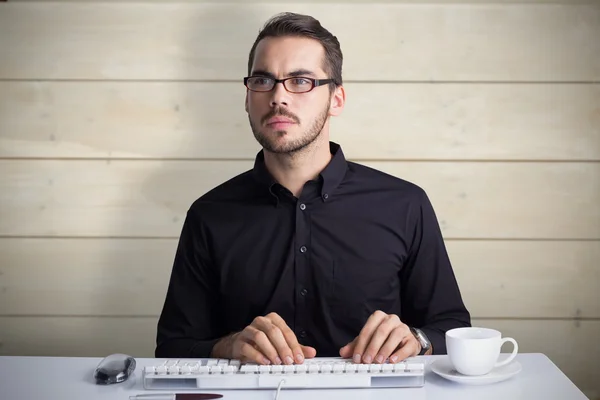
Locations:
(422, 338)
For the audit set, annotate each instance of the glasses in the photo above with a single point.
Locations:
(296, 84)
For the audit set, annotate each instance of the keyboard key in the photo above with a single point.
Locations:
(338, 367)
(185, 369)
(223, 362)
(362, 368)
(313, 369)
(387, 367)
(400, 367)
(277, 369)
(229, 369)
(301, 368)
(249, 369)
(415, 367)
(375, 368)
(288, 369)
(161, 370)
(211, 362)
(264, 369)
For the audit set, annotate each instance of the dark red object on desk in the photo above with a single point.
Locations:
(176, 396)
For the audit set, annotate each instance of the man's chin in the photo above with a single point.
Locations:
(282, 148)
(279, 144)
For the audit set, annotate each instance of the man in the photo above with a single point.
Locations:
(307, 254)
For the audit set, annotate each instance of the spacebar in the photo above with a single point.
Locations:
(315, 381)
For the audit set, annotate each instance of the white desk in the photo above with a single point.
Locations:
(50, 378)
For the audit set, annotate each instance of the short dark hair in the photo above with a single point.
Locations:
(292, 24)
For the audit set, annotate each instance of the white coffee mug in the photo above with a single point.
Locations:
(475, 351)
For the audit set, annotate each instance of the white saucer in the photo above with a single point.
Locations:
(445, 369)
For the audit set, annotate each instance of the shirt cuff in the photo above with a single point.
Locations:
(437, 340)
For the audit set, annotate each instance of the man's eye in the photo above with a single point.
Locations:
(300, 81)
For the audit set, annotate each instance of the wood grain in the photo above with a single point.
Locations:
(381, 121)
(406, 42)
(478, 200)
(385, 2)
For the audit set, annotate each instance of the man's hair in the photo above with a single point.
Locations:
(291, 24)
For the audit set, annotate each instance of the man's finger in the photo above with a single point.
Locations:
(365, 335)
(291, 342)
(263, 344)
(391, 344)
(272, 334)
(348, 350)
(248, 352)
(379, 337)
(408, 348)
(309, 352)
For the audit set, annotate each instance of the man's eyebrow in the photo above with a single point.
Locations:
(298, 72)
(261, 72)
(301, 72)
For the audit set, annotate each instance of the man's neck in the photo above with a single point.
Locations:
(292, 171)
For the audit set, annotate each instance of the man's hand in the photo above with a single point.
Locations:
(267, 340)
(383, 336)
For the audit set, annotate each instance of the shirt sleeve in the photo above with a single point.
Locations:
(431, 299)
(188, 326)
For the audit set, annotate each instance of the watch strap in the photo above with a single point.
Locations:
(423, 340)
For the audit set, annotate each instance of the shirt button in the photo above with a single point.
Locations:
(303, 292)
(303, 334)
(303, 206)
(303, 249)
(325, 196)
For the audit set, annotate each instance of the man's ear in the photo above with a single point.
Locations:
(338, 100)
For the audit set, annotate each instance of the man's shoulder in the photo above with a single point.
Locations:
(376, 179)
(236, 189)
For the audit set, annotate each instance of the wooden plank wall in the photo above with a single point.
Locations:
(115, 116)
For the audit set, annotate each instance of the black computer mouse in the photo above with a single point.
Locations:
(115, 368)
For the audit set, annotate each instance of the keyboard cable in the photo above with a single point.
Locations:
(279, 389)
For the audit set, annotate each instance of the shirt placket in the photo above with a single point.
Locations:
(302, 264)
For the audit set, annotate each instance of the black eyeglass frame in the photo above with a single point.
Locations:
(315, 82)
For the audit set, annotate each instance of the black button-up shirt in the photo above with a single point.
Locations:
(355, 241)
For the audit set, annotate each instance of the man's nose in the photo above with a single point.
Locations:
(279, 95)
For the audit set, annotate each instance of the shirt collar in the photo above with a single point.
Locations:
(331, 176)
(334, 172)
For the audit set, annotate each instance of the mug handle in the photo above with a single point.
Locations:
(514, 352)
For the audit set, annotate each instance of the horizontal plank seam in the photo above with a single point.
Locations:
(359, 3)
(147, 316)
(134, 237)
(359, 81)
(203, 3)
(248, 159)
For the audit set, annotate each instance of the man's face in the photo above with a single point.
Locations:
(284, 122)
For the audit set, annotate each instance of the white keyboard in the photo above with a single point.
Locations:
(313, 373)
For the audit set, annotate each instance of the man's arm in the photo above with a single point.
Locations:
(431, 299)
(189, 324)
